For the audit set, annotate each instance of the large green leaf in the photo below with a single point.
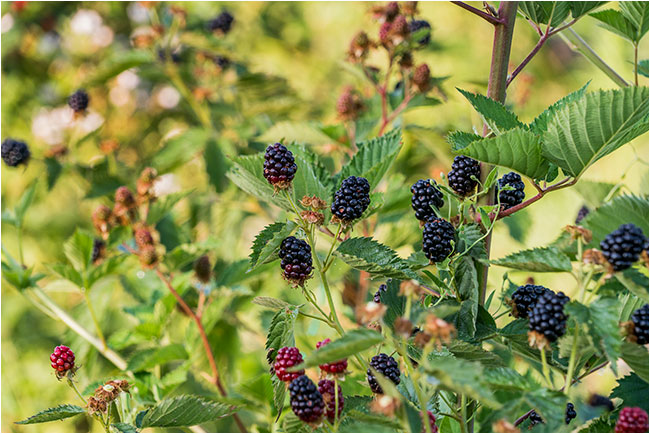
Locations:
(618, 211)
(464, 350)
(466, 285)
(517, 149)
(495, 114)
(578, 9)
(637, 13)
(184, 410)
(633, 391)
(551, 13)
(616, 22)
(268, 241)
(247, 173)
(281, 331)
(539, 260)
(353, 342)
(593, 126)
(51, 414)
(369, 255)
(78, 249)
(540, 123)
(636, 356)
(374, 158)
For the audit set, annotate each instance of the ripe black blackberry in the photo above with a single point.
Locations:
(377, 297)
(416, 25)
(306, 401)
(547, 317)
(99, 248)
(640, 321)
(460, 176)
(582, 213)
(286, 358)
(327, 391)
(632, 419)
(222, 23)
(437, 238)
(425, 196)
(570, 413)
(337, 367)
(535, 418)
(352, 199)
(15, 152)
(510, 198)
(623, 246)
(296, 260)
(524, 298)
(279, 166)
(385, 365)
(78, 101)
(62, 360)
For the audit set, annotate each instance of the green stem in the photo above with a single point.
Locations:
(636, 64)
(336, 405)
(545, 369)
(572, 362)
(202, 115)
(463, 413)
(579, 44)
(330, 301)
(329, 254)
(74, 387)
(409, 370)
(20, 245)
(315, 317)
(94, 318)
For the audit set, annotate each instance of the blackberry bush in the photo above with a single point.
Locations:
(306, 401)
(460, 177)
(623, 246)
(438, 239)
(426, 197)
(547, 317)
(352, 199)
(385, 365)
(639, 321)
(338, 367)
(15, 152)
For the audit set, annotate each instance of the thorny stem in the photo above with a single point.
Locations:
(463, 413)
(487, 17)
(567, 182)
(572, 361)
(94, 318)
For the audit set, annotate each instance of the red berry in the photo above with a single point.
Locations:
(286, 358)
(62, 359)
(326, 389)
(432, 423)
(334, 367)
(632, 419)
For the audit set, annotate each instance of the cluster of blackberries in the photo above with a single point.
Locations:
(547, 316)
(78, 101)
(306, 401)
(352, 199)
(426, 197)
(62, 360)
(15, 152)
(330, 396)
(622, 247)
(460, 177)
(570, 413)
(337, 367)
(286, 358)
(524, 298)
(632, 419)
(510, 198)
(377, 297)
(296, 260)
(279, 166)
(639, 321)
(385, 365)
(222, 23)
(438, 238)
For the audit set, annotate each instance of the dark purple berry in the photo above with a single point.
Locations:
(385, 365)
(222, 23)
(426, 196)
(296, 260)
(377, 297)
(279, 166)
(438, 237)
(570, 413)
(460, 176)
(623, 246)
(306, 401)
(416, 25)
(547, 317)
(326, 389)
(524, 298)
(15, 152)
(78, 101)
(352, 199)
(510, 198)
(640, 320)
(582, 213)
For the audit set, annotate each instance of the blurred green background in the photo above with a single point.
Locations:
(48, 49)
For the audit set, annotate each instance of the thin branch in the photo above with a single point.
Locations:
(524, 417)
(567, 182)
(528, 58)
(487, 17)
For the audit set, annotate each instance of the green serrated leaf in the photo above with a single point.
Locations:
(579, 9)
(281, 331)
(279, 392)
(464, 350)
(369, 255)
(540, 124)
(633, 391)
(585, 130)
(247, 173)
(620, 210)
(539, 260)
(180, 149)
(78, 249)
(636, 356)
(124, 427)
(517, 149)
(494, 114)
(271, 302)
(268, 241)
(643, 67)
(460, 140)
(637, 13)
(185, 410)
(507, 378)
(353, 342)
(594, 192)
(551, 13)
(24, 202)
(55, 413)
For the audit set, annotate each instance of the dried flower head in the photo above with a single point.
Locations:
(440, 330)
(386, 405)
(370, 312)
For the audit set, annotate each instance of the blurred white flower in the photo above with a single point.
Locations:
(6, 23)
(49, 43)
(85, 22)
(50, 125)
(119, 96)
(90, 122)
(128, 79)
(166, 184)
(168, 97)
(137, 12)
(103, 36)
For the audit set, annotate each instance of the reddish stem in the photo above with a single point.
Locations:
(562, 184)
(487, 17)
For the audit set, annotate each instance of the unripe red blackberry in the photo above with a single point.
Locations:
(203, 269)
(640, 321)
(286, 358)
(296, 260)
(384, 33)
(306, 401)
(582, 213)
(623, 246)
(510, 198)
(399, 28)
(438, 236)
(15, 152)
(417, 25)
(148, 256)
(124, 197)
(547, 316)
(337, 367)
(222, 23)
(422, 78)
(377, 297)
(570, 413)
(349, 105)
(524, 298)
(632, 419)
(391, 11)
(143, 237)
(426, 196)
(432, 423)
(78, 101)
(460, 176)
(352, 199)
(326, 389)
(62, 360)
(279, 166)
(385, 365)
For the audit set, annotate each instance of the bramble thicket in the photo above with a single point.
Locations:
(444, 208)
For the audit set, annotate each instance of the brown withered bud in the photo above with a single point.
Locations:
(422, 78)
(143, 236)
(440, 330)
(410, 8)
(538, 340)
(399, 30)
(144, 185)
(386, 405)
(504, 426)
(403, 327)
(102, 220)
(203, 269)
(421, 339)
(313, 217)
(313, 202)
(124, 197)
(359, 47)
(530, 280)
(99, 251)
(596, 257)
(349, 105)
(96, 406)
(148, 257)
(105, 394)
(410, 288)
(577, 232)
(391, 11)
(374, 326)
(370, 312)
(144, 37)
(56, 151)
(406, 60)
(644, 257)
(109, 146)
